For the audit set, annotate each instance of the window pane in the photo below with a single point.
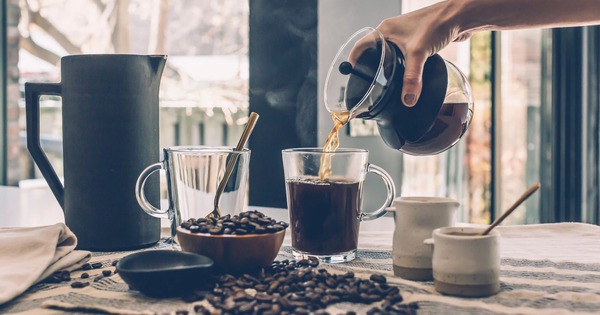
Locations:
(204, 88)
(464, 171)
(519, 136)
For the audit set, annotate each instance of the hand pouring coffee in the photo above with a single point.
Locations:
(365, 81)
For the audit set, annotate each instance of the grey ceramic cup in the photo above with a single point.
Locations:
(464, 262)
(415, 219)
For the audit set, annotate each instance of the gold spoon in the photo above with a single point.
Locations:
(216, 213)
(523, 197)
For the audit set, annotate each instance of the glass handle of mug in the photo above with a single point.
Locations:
(141, 196)
(147, 206)
(391, 193)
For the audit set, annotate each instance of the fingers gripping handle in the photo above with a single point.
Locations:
(141, 196)
(391, 193)
(33, 91)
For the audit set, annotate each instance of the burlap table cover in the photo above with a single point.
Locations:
(546, 269)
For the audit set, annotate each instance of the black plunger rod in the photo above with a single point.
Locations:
(346, 68)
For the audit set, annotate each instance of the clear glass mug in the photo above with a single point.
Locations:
(325, 212)
(193, 175)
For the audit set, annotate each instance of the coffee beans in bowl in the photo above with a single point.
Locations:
(250, 240)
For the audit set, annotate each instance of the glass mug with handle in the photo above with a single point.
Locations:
(193, 176)
(325, 211)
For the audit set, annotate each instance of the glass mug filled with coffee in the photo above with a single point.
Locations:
(324, 196)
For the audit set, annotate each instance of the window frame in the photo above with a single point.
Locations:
(3, 97)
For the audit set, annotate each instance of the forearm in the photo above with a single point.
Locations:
(471, 15)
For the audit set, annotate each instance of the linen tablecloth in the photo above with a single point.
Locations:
(545, 269)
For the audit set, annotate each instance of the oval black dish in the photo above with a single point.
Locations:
(164, 273)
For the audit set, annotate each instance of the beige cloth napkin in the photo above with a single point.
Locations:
(29, 255)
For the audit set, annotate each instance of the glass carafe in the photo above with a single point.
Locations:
(365, 80)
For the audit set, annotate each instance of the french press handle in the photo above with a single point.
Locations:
(33, 91)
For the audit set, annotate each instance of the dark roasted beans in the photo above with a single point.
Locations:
(290, 287)
(249, 222)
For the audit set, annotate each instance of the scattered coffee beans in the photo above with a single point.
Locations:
(79, 285)
(59, 276)
(298, 287)
(97, 265)
(249, 222)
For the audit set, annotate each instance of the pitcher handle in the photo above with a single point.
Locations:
(391, 193)
(33, 91)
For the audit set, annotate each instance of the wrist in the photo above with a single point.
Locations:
(462, 16)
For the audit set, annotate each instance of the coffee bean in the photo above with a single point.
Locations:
(204, 229)
(106, 273)
(244, 308)
(216, 230)
(249, 222)
(187, 225)
(298, 287)
(86, 266)
(79, 285)
(85, 275)
(98, 278)
(59, 276)
(303, 263)
(378, 278)
(241, 231)
(97, 265)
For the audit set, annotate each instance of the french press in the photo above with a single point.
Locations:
(365, 80)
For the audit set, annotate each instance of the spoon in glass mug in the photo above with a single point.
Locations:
(216, 213)
(514, 206)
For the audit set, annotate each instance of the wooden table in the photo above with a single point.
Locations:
(546, 269)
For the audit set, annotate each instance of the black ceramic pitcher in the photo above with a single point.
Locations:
(110, 133)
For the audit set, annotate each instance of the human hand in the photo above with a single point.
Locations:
(419, 35)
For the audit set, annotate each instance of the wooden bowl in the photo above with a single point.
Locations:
(233, 252)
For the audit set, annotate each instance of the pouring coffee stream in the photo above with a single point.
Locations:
(216, 213)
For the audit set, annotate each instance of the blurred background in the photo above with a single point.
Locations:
(536, 95)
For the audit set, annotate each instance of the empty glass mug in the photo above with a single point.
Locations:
(193, 176)
(324, 196)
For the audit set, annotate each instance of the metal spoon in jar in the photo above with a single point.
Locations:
(216, 213)
(523, 197)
